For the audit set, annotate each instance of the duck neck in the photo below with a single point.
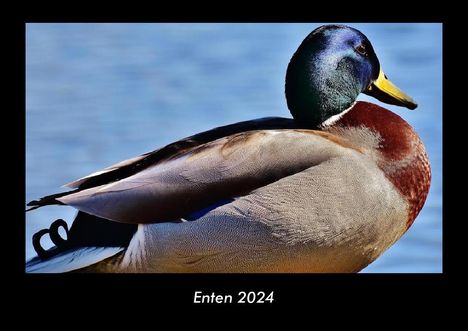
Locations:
(400, 152)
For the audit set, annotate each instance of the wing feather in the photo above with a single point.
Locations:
(225, 168)
(134, 165)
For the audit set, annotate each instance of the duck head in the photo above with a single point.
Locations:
(330, 68)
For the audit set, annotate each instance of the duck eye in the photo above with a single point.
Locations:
(361, 49)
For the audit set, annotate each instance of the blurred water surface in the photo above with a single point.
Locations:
(100, 93)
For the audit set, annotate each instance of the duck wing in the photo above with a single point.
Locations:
(196, 177)
(136, 164)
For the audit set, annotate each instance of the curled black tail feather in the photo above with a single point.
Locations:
(86, 231)
(60, 243)
(48, 200)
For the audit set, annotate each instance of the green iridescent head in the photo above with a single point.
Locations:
(330, 68)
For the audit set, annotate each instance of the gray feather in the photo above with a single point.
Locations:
(225, 168)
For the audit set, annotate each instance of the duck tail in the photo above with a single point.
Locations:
(93, 244)
(48, 200)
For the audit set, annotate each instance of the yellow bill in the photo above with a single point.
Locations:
(384, 90)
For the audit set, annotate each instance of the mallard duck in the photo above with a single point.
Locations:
(327, 191)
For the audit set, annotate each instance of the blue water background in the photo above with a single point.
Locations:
(100, 93)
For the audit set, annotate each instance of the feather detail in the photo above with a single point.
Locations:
(72, 259)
